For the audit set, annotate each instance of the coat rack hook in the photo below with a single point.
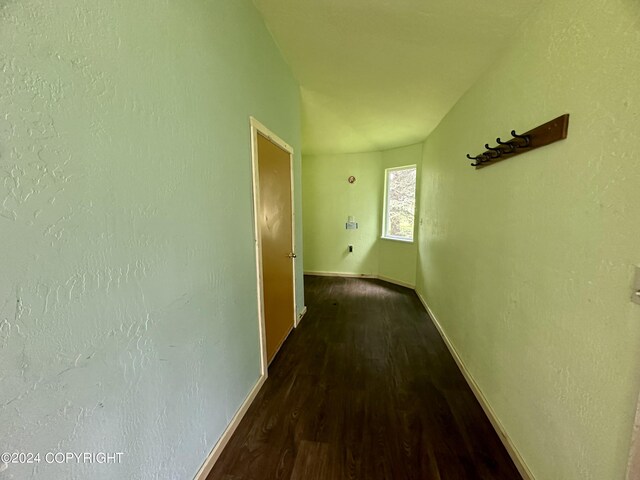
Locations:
(478, 159)
(498, 151)
(511, 146)
(526, 139)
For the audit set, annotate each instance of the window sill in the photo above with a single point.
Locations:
(396, 239)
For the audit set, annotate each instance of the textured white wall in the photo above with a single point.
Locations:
(128, 320)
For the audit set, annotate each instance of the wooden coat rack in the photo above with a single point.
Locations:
(540, 136)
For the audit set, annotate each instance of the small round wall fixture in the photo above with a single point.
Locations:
(351, 179)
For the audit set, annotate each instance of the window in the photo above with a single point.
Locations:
(399, 203)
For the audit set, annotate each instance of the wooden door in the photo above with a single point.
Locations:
(275, 215)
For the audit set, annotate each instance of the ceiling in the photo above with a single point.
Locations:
(378, 74)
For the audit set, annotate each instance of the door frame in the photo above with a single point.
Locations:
(259, 128)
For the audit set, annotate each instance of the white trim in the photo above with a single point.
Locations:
(341, 274)
(208, 464)
(397, 282)
(258, 241)
(398, 239)
(362, 275)
(270, 135)
(302, 313)
(385, 211)
(257, 127)
(491, 415)
(293, 241)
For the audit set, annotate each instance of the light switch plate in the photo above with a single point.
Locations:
(635, 294)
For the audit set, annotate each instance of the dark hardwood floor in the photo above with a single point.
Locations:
(364, 389)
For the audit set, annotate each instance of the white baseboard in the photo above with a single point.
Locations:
(301, 315)
(397, 282)
(226, 436)
(341, 274)
(497, 425)
(361, 275)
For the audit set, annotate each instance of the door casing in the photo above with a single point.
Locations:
(256, 129)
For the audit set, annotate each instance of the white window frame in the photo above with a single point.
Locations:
(385, 211)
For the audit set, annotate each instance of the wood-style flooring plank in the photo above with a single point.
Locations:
(312, 461)
(364, 389)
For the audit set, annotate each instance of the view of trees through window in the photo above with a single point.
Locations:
(400, 203)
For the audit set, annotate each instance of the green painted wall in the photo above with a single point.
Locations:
(528, 264)
(328, 199)
(128, 318)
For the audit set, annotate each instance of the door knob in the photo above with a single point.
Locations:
(292, 255)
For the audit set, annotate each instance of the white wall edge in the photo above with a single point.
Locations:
(302, 313)
(231, 428)
(361, 275)
(497, 425)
